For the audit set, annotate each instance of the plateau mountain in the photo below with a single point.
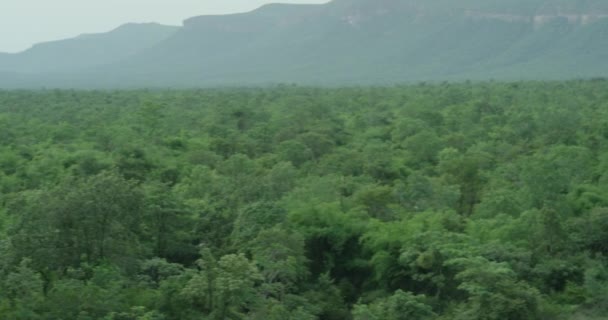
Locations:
(343, 42)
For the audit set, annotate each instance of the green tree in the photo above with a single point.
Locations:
(224, 288)
(400, 306)
(493, 292)
(280, 257)
(22, 292)
(168, 224)
(88, 220)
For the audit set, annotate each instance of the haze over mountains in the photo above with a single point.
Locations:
(343, 42)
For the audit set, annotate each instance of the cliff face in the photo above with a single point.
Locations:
(356, 12)
(539, 20)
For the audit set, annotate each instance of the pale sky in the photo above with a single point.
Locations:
(25, 22)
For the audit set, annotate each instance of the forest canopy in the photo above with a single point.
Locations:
(467, 201)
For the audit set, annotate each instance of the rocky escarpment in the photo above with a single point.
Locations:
(539, 20)
(536, 12)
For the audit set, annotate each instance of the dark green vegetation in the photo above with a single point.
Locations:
(457, 201)
(342, 42)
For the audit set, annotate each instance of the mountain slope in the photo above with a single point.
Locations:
(86, 51)
(362, 42)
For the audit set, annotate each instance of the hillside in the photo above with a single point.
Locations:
(86, 51)
(348, 42)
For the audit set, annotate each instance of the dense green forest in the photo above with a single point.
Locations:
(430, 201)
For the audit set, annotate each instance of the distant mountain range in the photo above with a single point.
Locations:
(343, 42)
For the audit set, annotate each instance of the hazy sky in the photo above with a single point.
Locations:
(25, 22)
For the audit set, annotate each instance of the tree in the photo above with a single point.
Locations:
(224, 288)
(377, 201)
(279, 254)
(90, 220)
(168, 224)
(254, 218)
(493, 292)
(400, 306)
(466, 171)
(23, 290)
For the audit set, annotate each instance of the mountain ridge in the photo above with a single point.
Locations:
(86, 50)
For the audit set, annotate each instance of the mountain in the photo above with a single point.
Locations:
(86, 51)
(344, 42)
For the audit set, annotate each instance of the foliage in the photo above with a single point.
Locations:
(445, 201)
